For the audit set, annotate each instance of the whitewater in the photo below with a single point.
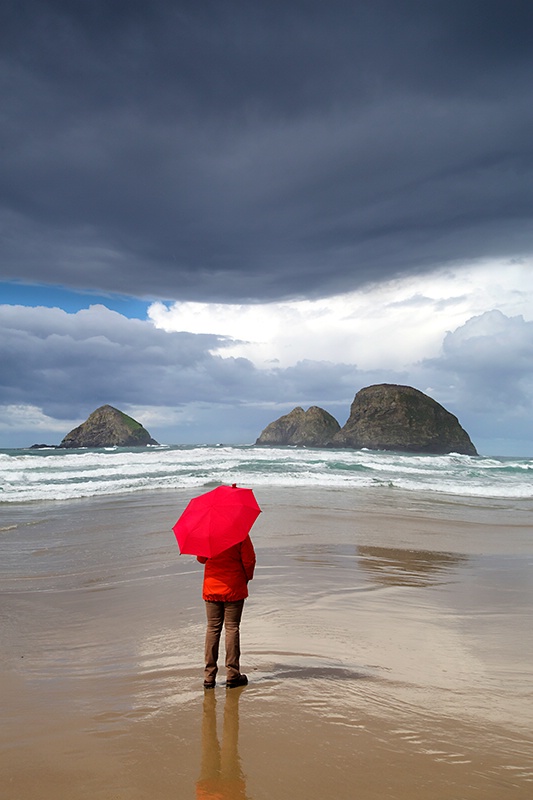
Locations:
(57, 475)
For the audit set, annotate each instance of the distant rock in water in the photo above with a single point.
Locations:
(311, 428)
(108, 427)
(391, 417)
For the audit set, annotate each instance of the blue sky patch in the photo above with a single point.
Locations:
(70, 301)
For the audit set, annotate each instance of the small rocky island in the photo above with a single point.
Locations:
(311, 428)
(385, 416)
(108, 427)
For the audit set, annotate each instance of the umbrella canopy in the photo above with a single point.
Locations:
(216, 520)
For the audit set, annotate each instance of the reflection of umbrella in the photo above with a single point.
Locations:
(216, 520)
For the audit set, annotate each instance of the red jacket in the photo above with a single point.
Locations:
(226, 576)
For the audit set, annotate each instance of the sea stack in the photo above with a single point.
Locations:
(108, 427)
(388, 416)
(311, 428)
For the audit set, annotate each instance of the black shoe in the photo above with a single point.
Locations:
(242, 680)
(209, 684)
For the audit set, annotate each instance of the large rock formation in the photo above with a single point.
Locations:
(108, 427)
(311, 428)
(391, 417)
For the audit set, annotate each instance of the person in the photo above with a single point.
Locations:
(225, 589)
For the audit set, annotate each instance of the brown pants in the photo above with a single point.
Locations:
(227, 615)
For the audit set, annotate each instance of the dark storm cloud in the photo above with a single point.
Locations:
(245, 150)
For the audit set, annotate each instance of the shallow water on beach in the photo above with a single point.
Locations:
(387, 641)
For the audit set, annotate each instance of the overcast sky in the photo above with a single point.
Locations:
(212, 212)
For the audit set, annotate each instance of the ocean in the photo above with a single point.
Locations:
(51, 474)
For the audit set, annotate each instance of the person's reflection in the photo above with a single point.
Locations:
(402, 567)
(221, 776)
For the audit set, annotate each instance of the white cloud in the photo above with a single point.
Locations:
(204, 373)
(489, 360)
(23, 417)
(387, 327)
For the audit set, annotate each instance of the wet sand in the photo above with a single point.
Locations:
(387, 641)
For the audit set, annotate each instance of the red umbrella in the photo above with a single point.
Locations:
(216, 520)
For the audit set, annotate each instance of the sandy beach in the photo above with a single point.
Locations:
(387, 642)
